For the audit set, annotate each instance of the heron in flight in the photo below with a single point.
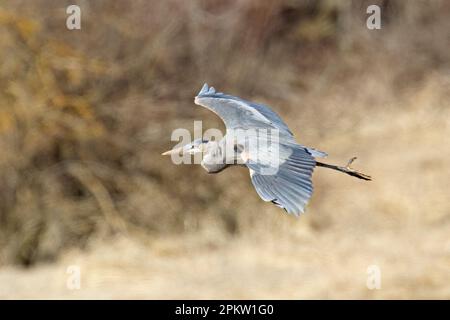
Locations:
(289, 185)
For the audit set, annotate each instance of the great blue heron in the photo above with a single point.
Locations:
(290, 185)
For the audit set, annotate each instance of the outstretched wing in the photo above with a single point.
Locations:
(238, 113)
(291, 186)
(287, 181)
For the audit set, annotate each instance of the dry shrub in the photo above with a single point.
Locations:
(84, 115)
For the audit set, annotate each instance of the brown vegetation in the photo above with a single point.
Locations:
(85, 115)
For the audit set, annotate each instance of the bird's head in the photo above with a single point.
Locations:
(196, 146)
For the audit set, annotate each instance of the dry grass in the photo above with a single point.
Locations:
(84, 116)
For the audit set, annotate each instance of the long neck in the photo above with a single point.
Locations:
(214, 159)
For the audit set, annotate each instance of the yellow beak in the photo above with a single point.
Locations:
(173, 151)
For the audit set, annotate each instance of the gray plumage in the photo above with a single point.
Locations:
(280, 170)
(291, 187)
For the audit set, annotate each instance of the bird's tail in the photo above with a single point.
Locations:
(316, 153)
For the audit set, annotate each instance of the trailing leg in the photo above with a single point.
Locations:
(347, 169)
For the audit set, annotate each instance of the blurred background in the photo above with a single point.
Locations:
(85, 115)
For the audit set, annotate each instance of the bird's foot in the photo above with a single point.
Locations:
(355, 173)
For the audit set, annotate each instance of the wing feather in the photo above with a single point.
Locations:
(291, 187)
(239, 113)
